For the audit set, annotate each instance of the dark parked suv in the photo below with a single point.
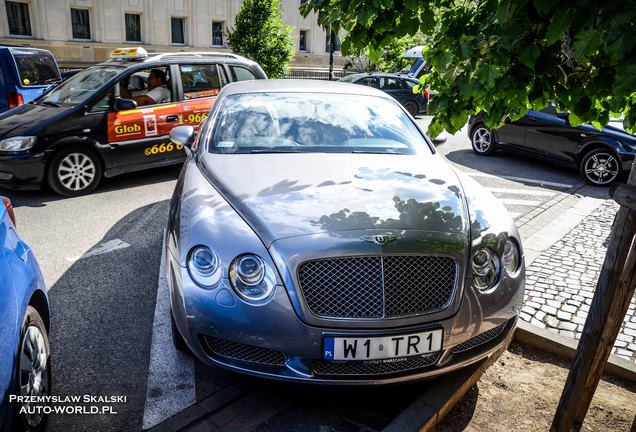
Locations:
(84, 128)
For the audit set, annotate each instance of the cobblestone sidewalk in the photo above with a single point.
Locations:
(560, 283)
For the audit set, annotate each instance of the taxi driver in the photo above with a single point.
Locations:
(156, 93)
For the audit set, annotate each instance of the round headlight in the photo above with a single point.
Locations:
(251, 278)
(204, 266)
(485, 269)
(511, 257)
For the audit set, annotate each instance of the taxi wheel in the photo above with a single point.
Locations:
(74, 171)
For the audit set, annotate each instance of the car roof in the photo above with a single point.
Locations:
(179, 57)
(298, 86)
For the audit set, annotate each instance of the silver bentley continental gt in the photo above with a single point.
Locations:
(316, 235)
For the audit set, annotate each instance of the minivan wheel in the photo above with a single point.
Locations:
(412, 108)
(482, 140)
(33, 373)
(74, 171)
(600, 167)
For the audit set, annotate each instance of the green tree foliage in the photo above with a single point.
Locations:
(260, 34)
(504, 57)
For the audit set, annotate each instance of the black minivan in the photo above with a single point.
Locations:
(84, 128)
(25, 73)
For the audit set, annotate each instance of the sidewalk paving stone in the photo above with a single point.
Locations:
(561, 280)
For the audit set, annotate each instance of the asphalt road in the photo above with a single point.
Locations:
(100, 256)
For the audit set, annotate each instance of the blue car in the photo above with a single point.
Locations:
(24, 326)
(25, 73)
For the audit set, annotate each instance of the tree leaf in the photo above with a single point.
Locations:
(560, 23)
(586, 42)
(625, 81)
(528, 54)
(574, 120)
(488, 74)
(543, 6)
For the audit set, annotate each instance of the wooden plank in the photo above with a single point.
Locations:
(614, 291)
(624, 195)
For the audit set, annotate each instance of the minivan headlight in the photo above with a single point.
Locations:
(17, 143)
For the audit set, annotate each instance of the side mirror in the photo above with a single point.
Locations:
(124, 104)
(183, 135)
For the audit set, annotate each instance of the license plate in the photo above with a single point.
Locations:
(382, 347)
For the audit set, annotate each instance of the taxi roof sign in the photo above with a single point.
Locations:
(132, 52)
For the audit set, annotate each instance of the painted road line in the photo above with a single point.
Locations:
(514, 215)
(522, 191)
(506, 201)
(103, 248)
(170, 386)
(521, 179)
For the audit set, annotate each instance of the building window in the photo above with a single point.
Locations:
(133, 27)
(80, 21)
(177, 31)
(217, 33)
(18, 16)
(336, 45)
(302, 41)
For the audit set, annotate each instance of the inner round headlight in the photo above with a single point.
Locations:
(251, 278)
(250, 269)
(485, 269)
(204, 266)
(510, 257)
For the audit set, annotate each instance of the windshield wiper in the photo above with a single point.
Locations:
(48, 103)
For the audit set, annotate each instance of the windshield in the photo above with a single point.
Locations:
(36, 67)
(313, 122)
(81, 86)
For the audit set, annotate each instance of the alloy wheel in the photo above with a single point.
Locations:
(601, 168)
(76, 171)
(34, 372)
(482, 140)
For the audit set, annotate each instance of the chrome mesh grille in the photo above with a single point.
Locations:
(377, 287)
(351, 368)
(480, 339)
(246, 353)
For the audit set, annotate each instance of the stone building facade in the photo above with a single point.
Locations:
(83, 32)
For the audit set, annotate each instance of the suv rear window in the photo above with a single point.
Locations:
(36, 67)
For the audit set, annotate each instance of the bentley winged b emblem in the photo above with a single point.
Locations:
(380, 239)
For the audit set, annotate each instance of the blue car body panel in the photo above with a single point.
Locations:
(21, 282)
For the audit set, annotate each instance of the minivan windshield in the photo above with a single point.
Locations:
(36, 67)
(81, 86)
(313, 123)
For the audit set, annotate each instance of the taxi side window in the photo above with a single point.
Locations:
(201, 80)
(240, 73)
(140, 84)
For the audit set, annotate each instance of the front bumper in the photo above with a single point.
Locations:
(271, 341)
(22, 171)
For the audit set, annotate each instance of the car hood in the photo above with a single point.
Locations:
(26, 119)
(287, 195)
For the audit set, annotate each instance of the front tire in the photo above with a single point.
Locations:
(33, 373)
(74, 171)
(600, 167)
(412, 108)
(482, 140)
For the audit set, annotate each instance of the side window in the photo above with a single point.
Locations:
(153, 82)
(240, 73)
(370, 82)
(389, 84)
(201, 80)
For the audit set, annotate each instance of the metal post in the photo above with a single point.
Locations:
(332, 48)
